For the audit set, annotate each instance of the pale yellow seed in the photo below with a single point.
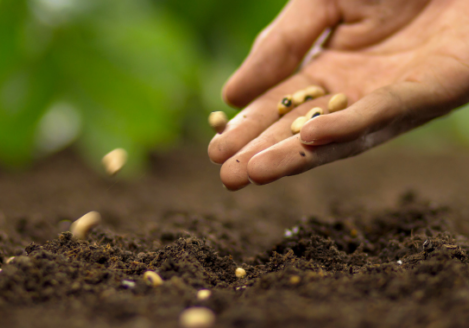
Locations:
(197, 318)
(285, 105)
(240, 273)
(152, 278)
(315, 91)
(218, 121)
(10, 259)
(114, 161)
(300, 97)
(81, 227)
(337, 102)
(298, 124)
(314, 111)
(203, 294)
(295, 280)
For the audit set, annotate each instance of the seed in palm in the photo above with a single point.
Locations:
(298, 124)
(337, 102)
(315, 91)
(300, 97)
(285, 105)
(314, 112)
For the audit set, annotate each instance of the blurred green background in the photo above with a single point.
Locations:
(137, 74)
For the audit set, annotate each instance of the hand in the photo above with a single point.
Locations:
(401, 63)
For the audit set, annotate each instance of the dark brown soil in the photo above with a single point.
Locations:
(348, 245)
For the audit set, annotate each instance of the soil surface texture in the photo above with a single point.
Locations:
(376, 241)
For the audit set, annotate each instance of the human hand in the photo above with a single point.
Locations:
(401, 63)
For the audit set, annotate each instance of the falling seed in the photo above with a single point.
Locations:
(197, 318)
(203, 294)
(285, 105)
(314, 112)
(315, 91)
(294, 280)
(114, 161)
(300, 97)
(337, 102)
(218, 121)
(81, 227)
(9, 260)
(240, 273)
(298, 124)
(152, 278)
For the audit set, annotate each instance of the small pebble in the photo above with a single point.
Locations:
(81, 227)
(285, 105)
(300, 97)
(218, 121)
(152, 278)
(240, 273)
(114, 161)
(315, 91)
(298, 124)
(197, 318)
(128, 283)
(295, 280)
(313, 112)
(203, 294)
(399, 262)
(337, 102)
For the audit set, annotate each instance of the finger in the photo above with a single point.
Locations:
(234, 174)
(291, 157)
(278, 50)
(253, 120)
(373, 112)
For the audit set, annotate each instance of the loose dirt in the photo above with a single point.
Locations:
(371, 242)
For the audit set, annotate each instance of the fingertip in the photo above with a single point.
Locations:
(217, 153)
(233, 175)
(229, 94)
(259, 170)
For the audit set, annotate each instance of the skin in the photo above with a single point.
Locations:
(401, 63)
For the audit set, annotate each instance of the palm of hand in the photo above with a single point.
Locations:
(418, 71)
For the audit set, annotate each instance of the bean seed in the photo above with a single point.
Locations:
(240, 273)
(81, 227)
(197, 318)
(298, 124)
(152, 278)
(313, 112)
(114, 161)
(285, 105)
(337, 102)
(300, 97)
(9, 260)
(218, 121)
(315, 91)
(203, 294)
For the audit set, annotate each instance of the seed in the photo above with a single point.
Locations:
(300, 97)
(298, 124)
(315, 91)
(152, 278)
(9, 260)
(285, 105)
(294, 280)
(337, 102)
(197, 318)
(114, 161)
(203, 294)
(240, 273)
(313, 112)
(218, 121)
(81, 227)
(128, 283)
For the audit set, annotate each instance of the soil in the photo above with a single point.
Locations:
(375, 241)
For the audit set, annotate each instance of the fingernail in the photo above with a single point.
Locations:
(252, 182)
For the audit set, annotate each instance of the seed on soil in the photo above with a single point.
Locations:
(218, 121)
(313, 112)
(285, 105)
(240, 273)
(294, 280)
(128, 283)
(81, 227)
(315, 91)
(203, 294)
(197, 318)
(9, 260)
(152, 278)
(298, 124)
(114, 161)
(337, 102)
(300, 97)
